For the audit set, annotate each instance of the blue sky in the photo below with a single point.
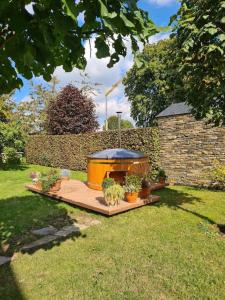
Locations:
(160, 12)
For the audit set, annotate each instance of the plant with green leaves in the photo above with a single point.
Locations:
(12, 141)
(113, 123)
(51, 33)
(32, 113)
(11, 156)
(216, 175)
(132, 183)
(199, 27)
(113, 194)
(47, 180)
(155, 85)
(161, 174)
(107, 182)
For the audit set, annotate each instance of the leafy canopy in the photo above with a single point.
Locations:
(113, 123)
(71, 113)
(31, 114)
(155, 85)
(200, 33)
(35, 43)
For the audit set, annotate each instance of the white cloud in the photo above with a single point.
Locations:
(98, 71)
(29, 8)
(26, 99)
(162, 2)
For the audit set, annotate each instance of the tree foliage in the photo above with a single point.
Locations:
(155, 85)
(113, 123)
(72, 112)
(200, 33)
(34, 43)
(11, 136)
(31, 114)
(6, 107)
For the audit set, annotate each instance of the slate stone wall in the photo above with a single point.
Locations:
(189, 147)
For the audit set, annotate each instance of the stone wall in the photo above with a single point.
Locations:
(189, 147)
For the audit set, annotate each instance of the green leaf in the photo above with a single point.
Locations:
(102, 48)
(212, 31)
(127, 22)
(223, 20)
(222, 37)
(70, 8)
(105, 12)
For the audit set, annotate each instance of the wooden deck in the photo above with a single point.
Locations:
(77, 193)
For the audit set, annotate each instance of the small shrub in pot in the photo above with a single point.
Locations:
(161, 176)
(107, 182)
(113, 194)
(132, 187)
(50, 181)
(145, 188)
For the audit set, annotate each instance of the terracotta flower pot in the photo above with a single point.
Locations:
(162, 180)
(144, 193)
(38, 185)
(131, 197)
(56, 187)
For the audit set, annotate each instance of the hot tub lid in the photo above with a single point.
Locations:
(117, 153)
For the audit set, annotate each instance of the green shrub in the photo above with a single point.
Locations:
(48, 179)
(161, 173)
(132, 183)
(107, 182)
(70, 151)
(11, 156)
(113, 194)
(216, 175)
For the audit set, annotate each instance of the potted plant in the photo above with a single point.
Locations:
(51, 181)
(132, 187)
(145, 188)
(35, 176)
(162, 176)
(107, 182)
(65, 174)
(113, 194)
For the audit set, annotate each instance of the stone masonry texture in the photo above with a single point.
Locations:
(189, 148)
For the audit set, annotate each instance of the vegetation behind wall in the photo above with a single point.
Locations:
(70, 151)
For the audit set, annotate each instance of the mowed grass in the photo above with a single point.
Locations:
(165, 251)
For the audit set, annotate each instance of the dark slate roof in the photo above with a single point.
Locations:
(175, 109)
(117, 153)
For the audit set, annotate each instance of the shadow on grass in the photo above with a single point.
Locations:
(175, 199)
(13, 167)
(19, 216)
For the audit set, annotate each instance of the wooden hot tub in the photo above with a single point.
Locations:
(115, 163)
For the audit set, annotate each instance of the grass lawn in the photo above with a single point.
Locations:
(167, 251)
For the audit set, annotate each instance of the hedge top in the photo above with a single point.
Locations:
(117, 153)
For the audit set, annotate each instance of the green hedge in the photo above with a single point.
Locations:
(70, 151)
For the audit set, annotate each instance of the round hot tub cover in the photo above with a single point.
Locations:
(117, 153)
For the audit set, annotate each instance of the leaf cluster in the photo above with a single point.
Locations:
(34, 43)
(199, 27)
(71, 113)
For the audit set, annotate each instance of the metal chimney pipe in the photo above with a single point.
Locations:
(119, 113)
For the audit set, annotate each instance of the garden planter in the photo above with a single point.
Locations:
(144, 193)
(56, 187)
(38, 185)
(131, 197)
(162, 180)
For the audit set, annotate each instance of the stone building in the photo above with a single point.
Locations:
(188, 147)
